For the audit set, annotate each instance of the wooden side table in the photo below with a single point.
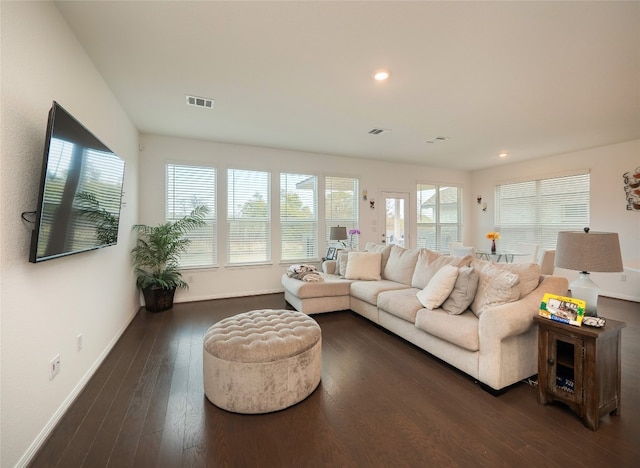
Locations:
(580, 366)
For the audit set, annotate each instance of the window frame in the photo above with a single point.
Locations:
(265, 220)
(209, 231)
(539, 222)
(439, 227)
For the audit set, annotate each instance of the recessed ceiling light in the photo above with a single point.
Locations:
(381, 75)
(503, 155)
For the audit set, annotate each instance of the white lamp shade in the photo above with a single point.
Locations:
(588, 251)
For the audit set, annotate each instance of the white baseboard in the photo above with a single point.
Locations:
(66, 404)
(209, 297)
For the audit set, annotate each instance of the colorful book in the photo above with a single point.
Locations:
(563, 309)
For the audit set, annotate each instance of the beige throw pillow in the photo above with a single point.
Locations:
(430, 262)
(439, 288)
(529, 273)
(496, 286)
(363, 266)
(463, 291)
(384, 249)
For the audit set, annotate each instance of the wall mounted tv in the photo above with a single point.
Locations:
(80, 191)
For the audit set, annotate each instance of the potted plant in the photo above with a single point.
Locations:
(155, 258)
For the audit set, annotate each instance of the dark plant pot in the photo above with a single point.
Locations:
(158, 299)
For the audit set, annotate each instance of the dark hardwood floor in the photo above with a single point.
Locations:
(381, 402)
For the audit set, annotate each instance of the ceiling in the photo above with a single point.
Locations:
(529, 78)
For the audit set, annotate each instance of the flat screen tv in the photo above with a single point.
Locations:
(80, 191)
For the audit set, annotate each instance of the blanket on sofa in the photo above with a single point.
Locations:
(304, 272)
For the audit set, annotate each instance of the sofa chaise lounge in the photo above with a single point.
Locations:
(473, 314)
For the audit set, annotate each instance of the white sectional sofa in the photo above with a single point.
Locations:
(473, 314)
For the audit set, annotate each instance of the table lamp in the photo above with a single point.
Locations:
(584, 252)
(338, 233)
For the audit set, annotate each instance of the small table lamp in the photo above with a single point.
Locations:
(588, 251)
(338, 233)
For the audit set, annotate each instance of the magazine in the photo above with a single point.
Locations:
(563, 309)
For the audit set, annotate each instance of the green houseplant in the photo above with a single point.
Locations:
(156, 255)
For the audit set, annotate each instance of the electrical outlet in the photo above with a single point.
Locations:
(54, 367)
(79, 342)
(623, 277)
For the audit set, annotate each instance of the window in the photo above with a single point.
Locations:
(534, 211)
(439, 218)
(298, 217)
(187, 187)
(341, 205)
(248, 217)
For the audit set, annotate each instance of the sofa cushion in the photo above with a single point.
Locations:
(363, 266)
(461, 330)
(430, 262)
(463, 291)
(439, 288)
(331, 286)
(496, 286)
(529, 273)
(401, 265)
(402, 303)
(384, 249)
(368, 291)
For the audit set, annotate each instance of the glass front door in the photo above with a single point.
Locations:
(396, 215)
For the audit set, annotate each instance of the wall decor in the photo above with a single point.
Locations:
(632, 189)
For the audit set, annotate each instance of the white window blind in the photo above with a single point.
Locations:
(298, 217)
(535, 211)
(439, 217)
(248, 217)
(341, 205)
(188, 187)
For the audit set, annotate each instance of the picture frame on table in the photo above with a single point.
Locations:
(331, 253)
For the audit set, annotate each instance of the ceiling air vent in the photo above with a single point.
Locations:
(379, 131)
(199, 102)
(438, 139)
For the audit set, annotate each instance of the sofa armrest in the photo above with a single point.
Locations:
(329, 267)
(508, 341)
(514, 318)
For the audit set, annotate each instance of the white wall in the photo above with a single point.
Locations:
(607, 164)
(44, 307)
(225, 281)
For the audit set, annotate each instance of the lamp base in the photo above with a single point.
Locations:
(585, 289)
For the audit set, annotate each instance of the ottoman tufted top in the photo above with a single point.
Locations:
(262, 336)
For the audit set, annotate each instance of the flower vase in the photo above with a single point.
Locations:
(493, 246)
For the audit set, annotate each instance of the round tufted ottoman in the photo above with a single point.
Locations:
(262, 361)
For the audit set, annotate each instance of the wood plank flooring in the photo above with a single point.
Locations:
(381, 402)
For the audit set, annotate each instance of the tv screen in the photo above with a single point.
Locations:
(80, 191)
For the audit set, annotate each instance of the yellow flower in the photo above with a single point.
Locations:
(493, 235)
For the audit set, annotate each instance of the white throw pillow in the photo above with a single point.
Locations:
(364, 266)
(439, 287)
